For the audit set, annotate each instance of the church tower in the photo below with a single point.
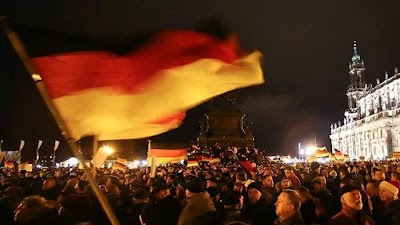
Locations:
(357, 84)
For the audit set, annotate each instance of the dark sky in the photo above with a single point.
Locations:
(307, 47)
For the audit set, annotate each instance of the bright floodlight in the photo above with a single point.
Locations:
(73, 161)
(108, 149)
(301, 151)
(310, 150)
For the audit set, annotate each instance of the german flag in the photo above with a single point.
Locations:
(166, 153)
(146, 91)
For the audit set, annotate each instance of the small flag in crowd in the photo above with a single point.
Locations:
(166, 153)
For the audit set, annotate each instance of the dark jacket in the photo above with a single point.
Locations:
(350, 216)
(308, 212)
(391, 215)
(307, 181)
(294, 220)
(261, 212)
(165, 212)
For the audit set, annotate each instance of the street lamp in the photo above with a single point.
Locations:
(301, 152)
(108, 149)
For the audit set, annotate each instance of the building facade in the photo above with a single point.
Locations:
(371, 124)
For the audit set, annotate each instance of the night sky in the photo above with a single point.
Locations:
(307, 47)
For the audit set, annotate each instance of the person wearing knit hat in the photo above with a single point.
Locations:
(259, 209)
(388, 193)
(255, 191)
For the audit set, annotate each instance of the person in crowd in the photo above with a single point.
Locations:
(288, 208)
(140, 198)
(74, 209)
(212, 182)
(285, 184)
(379, 175)
(181, 195)
(171, 182)
(269, 186)
(258, 209)
(164, 210)
(314, 172)
(289, 174)
(199, 203)
(34, 210)
(50, 189)
(351, 213)
(388, 193)
(308, 205)
(232, 207)
(395, 176)
(344, 174)
(12, 197)
(372, 190)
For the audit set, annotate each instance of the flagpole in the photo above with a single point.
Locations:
(30, 68)
(153, 161)
(95, 148)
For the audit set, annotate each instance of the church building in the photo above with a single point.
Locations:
(371, 124)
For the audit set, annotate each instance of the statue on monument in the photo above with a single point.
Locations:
(228, 100)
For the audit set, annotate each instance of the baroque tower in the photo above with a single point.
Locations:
(357, 84)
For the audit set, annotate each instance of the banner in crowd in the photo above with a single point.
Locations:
(8, 165)
(2, 155)
(210, 160)
(13, 156)
(192, 163)
(100, 157)
(25, 166)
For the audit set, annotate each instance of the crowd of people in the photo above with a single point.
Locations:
(222, 193)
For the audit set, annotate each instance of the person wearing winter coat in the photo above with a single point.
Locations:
(388, 193)
(199, 203)
(351, 213)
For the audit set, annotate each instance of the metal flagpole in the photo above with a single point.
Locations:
(29, 66)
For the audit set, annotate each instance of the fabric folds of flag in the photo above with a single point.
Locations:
(119, 166)
(166, 153)
(339, 154)
(321, 152)
(145, 92)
